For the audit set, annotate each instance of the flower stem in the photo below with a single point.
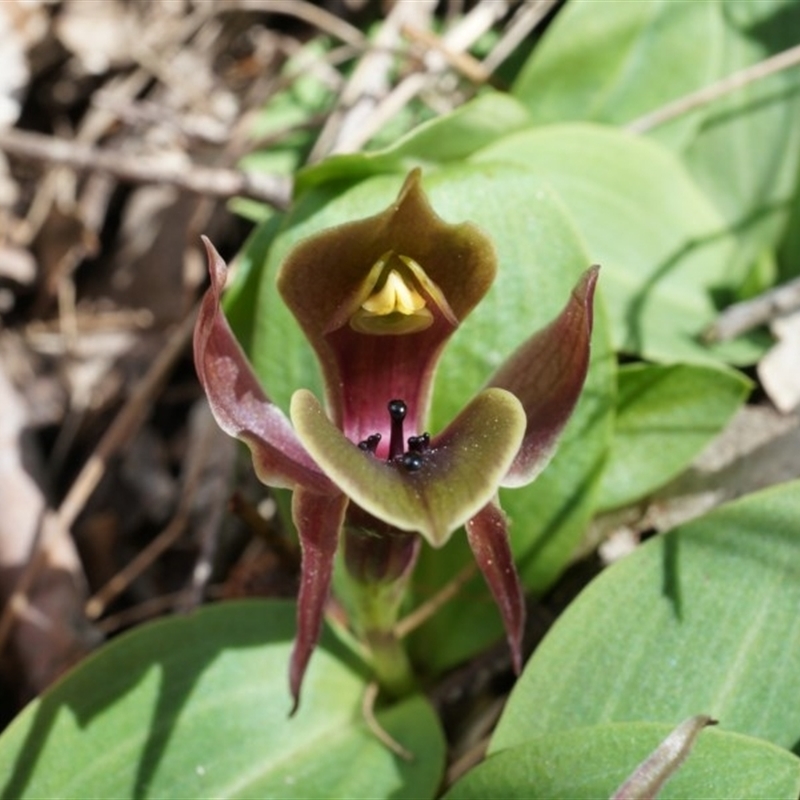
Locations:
(378, 565)
(391, 663)
(375, 611)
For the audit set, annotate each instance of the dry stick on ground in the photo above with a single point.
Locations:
(97, 603)
(118, 434)
(526, 19)
(457, 40)
(738, 80)
(209, 181)
(305, 11)
(375, 728)
(742, 317)
(368, 82)
(97, 121)
(467, 65)
(94, 125)
(154, 607)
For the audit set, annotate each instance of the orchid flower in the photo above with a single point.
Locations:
(378, 299)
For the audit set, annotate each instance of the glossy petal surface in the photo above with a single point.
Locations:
(323, 280)
(547, 374)
(318, 519)
(240, 406)
(458, 476)
(487, 534)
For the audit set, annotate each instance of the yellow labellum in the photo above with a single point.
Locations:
(394, 304)
(395, 297)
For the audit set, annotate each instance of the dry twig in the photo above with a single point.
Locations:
(367, 84)
(708, 94)
(209, 181)
(376, 729)
(742, 317)
(526, 19)
(207, 440)
(472, 69)
(457, 40)
(307, 12)
(426, 610)
(153, 607)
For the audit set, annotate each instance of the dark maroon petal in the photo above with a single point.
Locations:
(318, 519)
(487, 534)
(323, 282)
(376, 552)
(372, 370)
(240, 406)
(547, 374)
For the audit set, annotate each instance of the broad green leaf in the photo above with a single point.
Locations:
(654, 771)
(449, 138)
(789, 249)
(702, 619)
(665, 416)
(592, 762)
(240, 297)
(197, 706)
(663, 248)
(617, 60)
(746, 154)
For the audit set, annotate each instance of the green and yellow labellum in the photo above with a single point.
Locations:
(392, 299)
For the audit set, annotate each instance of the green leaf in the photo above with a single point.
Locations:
(702, 619)
(591, 762)
(788, 263)
(663, 248)
(448, 138)
(665, 416)
(746, 153)
(615, 61)
(197, 706)
(540, 258)
(239, 300)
